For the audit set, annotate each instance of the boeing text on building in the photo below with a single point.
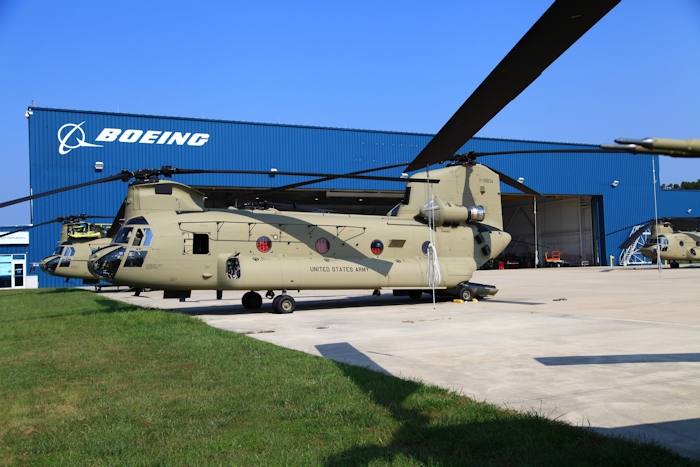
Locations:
(72, 136)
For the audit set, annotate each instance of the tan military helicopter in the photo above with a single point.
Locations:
(435, 238)
(664, 241)
(78, 240)
(448, 224)
(667, 243)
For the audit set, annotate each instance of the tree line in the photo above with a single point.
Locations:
(682, 186)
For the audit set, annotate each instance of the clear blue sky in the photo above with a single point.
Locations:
(400, 66)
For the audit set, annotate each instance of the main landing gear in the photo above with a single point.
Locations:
(281, 304)
(251, 300)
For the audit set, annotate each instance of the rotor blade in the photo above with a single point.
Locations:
(515, 184)
(633, 238)
(111, 178)
(302, 174)
(320, 180)
(297, 207)
(560, 26)
(58, 219)
(168, 171)
(29, 227)
(473, 154)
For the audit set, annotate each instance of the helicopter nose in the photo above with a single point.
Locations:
(104, 264)
(49, 265)
(648, 251)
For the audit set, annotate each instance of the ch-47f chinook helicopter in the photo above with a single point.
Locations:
(664, 242)
(448, 224)
(667, 243)
(436, 238)
(78, 240)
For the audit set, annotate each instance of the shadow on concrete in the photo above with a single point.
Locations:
(324, 303)
(346, 353)
(682, 436)
(612, 359)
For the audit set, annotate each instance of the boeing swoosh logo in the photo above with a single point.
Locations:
(79, 138)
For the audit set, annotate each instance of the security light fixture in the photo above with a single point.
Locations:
(614, 183)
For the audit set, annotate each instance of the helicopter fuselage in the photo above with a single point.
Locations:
(673, 246)
(268, 249)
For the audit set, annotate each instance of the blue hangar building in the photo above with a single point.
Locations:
(584, 198)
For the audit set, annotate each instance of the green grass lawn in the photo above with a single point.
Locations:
(87, 380)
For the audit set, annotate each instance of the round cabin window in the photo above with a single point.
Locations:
(323, 245)
(264, 244)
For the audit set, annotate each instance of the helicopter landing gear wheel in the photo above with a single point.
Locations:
(251, 300)
(284, 304)
(465, 293)
(675, 265)
(415, 294)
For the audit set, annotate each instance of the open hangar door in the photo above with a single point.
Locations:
(562, 223)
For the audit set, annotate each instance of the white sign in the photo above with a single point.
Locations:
(17, 238)
(71, 136)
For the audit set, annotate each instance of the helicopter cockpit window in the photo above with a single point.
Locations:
(136, 220)
(663, 243)
(135, 259)
(200, 244)
(137, 238)
(148, 237)
(65, 261)
(123, 236)
(142, 237)
(58, 251)
(233, 268)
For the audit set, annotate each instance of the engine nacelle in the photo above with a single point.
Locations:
(439, 212)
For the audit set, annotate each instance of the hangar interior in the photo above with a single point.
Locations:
(561, 223)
